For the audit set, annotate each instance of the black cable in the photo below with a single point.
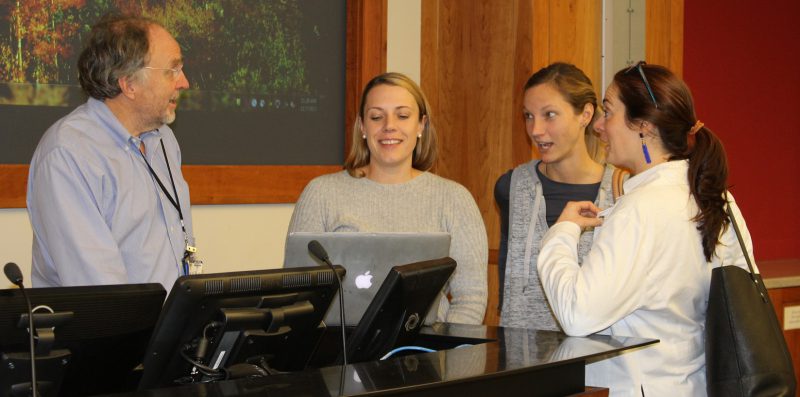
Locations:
(202, 368)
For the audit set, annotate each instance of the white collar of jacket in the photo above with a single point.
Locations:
(670, 171)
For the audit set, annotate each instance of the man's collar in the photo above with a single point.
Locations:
(117, 130)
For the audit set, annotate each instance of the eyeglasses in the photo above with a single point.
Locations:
(175, 71)
(638, 67)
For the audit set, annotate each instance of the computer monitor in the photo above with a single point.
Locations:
(99, 337)
(396, 315)
(215, 326)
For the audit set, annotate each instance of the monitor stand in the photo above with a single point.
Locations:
(15, 367)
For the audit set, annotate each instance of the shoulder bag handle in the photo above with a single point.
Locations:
(744, 250)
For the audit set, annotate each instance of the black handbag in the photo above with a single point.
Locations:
(746, 353)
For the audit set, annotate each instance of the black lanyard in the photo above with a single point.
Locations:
(175, 202)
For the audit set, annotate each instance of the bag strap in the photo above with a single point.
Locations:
(739, 237)
(744, 250)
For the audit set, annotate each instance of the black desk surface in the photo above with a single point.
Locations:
(516, 360)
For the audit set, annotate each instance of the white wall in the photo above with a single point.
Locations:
(403, 32)
(15, 242)
(229, 237)
(623, 36)
(238, 237)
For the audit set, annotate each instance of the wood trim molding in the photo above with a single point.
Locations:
(531, 50)
(234, 184)
(429, 66)
(267, 184)
(13, 184)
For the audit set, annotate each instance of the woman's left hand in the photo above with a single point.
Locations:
(583, 213)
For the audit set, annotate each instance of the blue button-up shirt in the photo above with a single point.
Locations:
(97, 213)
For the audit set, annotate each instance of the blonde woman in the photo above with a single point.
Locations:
(386, 187)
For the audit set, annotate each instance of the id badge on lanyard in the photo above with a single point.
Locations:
(192, 264)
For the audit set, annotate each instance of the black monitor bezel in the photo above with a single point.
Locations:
(106, 336)
(196, 299)
(408, 290)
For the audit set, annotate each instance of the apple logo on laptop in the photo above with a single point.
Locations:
(364, 281)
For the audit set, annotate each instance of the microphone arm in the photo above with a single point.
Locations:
(316, 249)
(15, 276)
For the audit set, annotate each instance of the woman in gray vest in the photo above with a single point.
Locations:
(559, 108)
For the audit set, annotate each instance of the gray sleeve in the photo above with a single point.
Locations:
(309, 211)
(469, 247)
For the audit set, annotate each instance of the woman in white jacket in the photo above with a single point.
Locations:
(649, 268)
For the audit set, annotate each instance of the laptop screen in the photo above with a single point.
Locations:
(368, 257)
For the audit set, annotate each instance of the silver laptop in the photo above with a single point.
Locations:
(367, 258)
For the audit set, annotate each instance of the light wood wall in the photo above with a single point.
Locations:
(664, 34)
(782, 298)
(476, 57)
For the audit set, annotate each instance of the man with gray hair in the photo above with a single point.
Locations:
(106, 196)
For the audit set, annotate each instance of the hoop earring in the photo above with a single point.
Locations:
(644, 149)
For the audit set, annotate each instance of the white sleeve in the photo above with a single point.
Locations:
(607, 287)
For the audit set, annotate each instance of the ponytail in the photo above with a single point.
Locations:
(708, 175)
(684, 137)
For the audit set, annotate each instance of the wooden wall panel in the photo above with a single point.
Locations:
(282, 184)
(780, 277)
(781, 298)
(576, 36)
(531, 36)
(365, 58)
(469, 71)
(476, 57)
(664, 34)
(567, 31)
(13, 185)
(429, 44)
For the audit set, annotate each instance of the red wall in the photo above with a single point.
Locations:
(742, 62)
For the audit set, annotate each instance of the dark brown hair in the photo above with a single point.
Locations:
(674, 118)
(117, 47)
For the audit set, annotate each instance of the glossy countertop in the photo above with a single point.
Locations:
(473, 353)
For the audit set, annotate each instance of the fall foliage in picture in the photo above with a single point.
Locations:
(231, 48)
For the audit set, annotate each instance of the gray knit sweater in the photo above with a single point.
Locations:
(524, 302)
(428, 203)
